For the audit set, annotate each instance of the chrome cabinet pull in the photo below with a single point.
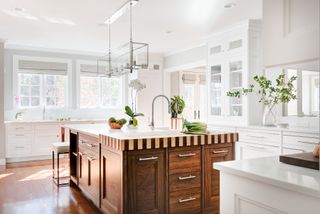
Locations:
(186, 155)
(258, 137)
(149, 158)
(307, 142)
(195, 114)
(19, 147)
(258, 148)
(186, 199)
(181, 178)
(198, 114)
(219, 151)
(75, 154)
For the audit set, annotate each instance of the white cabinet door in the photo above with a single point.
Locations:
(19, 140)
(294, 143)
(248, 150)
(45, 135)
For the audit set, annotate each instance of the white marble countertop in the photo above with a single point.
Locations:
(128, 134)
(271, 128)
(271, 171)
(56, 121)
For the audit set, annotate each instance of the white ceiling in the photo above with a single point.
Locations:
(189, 20)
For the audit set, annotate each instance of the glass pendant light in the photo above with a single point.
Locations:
(129, 57)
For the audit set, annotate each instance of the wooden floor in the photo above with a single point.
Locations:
(28, 188)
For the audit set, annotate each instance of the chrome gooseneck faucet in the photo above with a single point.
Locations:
(154, 99)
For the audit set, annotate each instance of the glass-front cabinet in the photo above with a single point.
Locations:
(234, 57)
(215, 89)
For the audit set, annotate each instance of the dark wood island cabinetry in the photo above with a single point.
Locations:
(149, 173)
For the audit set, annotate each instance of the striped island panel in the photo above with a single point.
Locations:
(167, 142)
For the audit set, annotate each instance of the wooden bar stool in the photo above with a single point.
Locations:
(59, 148)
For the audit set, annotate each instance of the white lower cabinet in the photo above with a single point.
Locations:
(251, 150)
(30, 140)
(263, 142)
(44, 137)
(255, 143)
(33, 140)
(299, 142)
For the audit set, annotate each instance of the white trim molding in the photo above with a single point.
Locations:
(2, 162)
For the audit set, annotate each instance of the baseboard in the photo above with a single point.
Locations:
(2, 162)
(23, 159)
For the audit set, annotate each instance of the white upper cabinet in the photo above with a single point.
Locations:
(290, 32)
(234, 57)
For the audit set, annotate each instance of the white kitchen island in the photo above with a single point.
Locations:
(267, 186)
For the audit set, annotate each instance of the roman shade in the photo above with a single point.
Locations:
(42, 67)
(189, 78)
(91, 70)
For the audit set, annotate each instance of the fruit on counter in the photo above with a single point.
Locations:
(194, 127)
(316, 151)
(116, 124)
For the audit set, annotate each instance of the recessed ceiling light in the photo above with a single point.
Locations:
(56, 20)
(230, 5)
(19, 14)
(102, 24)
(168, 31)
(20, 9)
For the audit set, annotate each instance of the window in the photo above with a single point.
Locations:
(55, 90)
(100, 92)
(41, 81)
(37, 90)
(29, 90)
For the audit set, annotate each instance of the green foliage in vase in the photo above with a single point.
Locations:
(177, 105)
(269, 94)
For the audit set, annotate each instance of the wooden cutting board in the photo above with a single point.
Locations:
(306, 160)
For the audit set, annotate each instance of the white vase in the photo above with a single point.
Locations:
(269, 117)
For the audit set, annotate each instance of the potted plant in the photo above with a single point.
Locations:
(133, 122)
(177, 105)
(269, 94)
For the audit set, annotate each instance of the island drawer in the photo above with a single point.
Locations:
(220, 150)
(88, 142)
(181, 181)
(185, 201)
(183, 160)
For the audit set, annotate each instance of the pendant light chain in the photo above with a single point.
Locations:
(131, 42)
(109, 57)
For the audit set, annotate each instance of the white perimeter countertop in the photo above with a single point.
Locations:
(271, 171)
(137, 133)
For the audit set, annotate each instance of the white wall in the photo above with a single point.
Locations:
(2, 129)
(189, 58)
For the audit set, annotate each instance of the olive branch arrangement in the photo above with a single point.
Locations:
(269, 94)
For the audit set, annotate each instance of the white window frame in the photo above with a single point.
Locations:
(124, 83)
(15, 79)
